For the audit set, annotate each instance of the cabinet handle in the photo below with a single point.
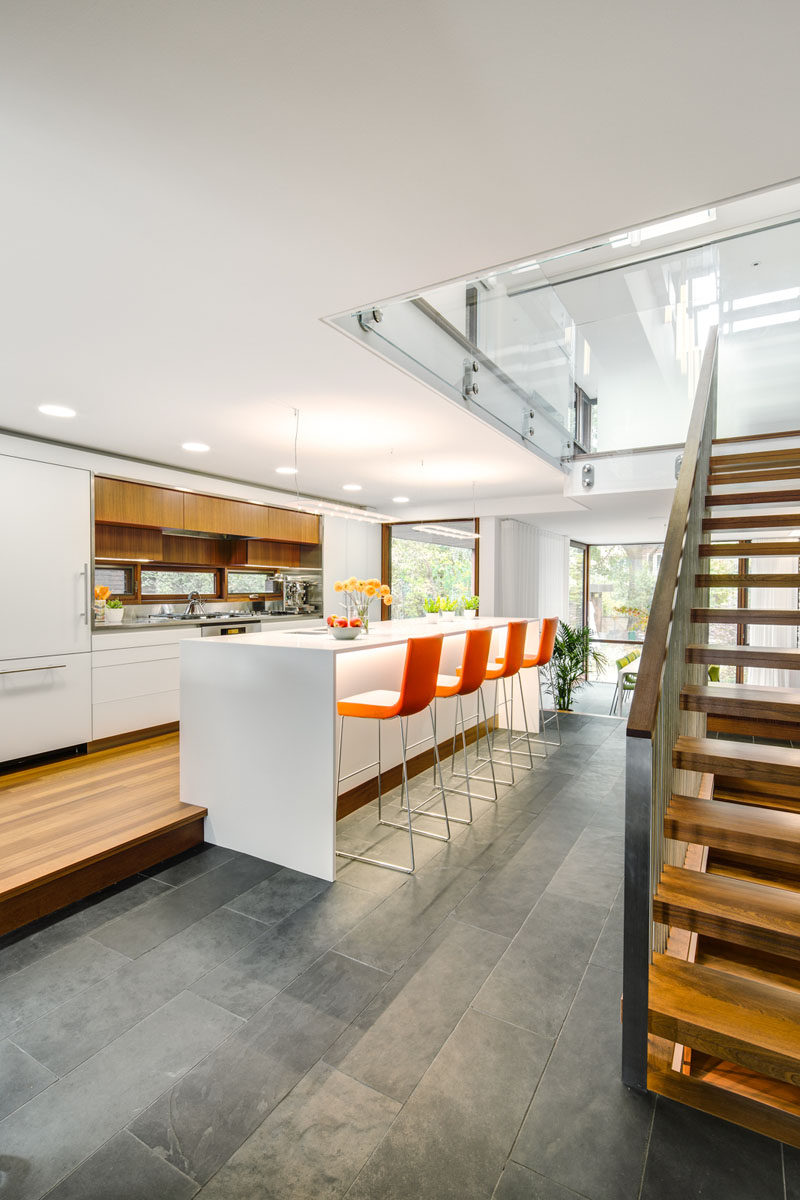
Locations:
(86, 614)
(25, 670)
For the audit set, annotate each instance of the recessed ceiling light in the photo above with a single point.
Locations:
(195, 447)
(56, 410)
(399, 499)
(286, 470)
(351, 487)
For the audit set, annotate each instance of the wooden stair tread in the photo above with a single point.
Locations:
(740, 549)
(748, 459)
(748, 962)
(768, 1106)
(756, 437)
(784, 658)
(740, 1020)
(759, 475)
(764, 521)
(778, 764)
(757, 833)
(790, 580)
(742, 700)
(746, 616)
(773, 496)
(752, 914)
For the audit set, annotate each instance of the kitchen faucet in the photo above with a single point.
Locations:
(195, 606)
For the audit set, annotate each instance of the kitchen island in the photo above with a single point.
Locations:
(259, 729)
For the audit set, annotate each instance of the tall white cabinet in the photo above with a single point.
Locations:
(45, 607)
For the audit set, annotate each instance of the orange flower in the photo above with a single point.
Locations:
(361, 585)
(387, 600)
(385, 590)
(349, 586)
(376, 583)
(102, 593)
(352, 582)
(370, 590)
(338, 586)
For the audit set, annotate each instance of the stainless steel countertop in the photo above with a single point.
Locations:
(144, 623)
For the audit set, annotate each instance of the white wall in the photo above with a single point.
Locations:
(349, 548)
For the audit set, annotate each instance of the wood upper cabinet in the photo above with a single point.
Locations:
(119, 503)
(211, 514)
(289, 526)
(127, 541)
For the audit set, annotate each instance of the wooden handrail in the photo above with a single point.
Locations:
(644, 706)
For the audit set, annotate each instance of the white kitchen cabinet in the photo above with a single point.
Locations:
(45, 704)
(45, 548)
(135, 680)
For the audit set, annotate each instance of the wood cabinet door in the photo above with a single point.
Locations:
(212, 514)
(289, 526)
(259, 553)
(119, 503)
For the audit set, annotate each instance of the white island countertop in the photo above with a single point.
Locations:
(259, 729)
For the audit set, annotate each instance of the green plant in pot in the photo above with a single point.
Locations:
(431, 606)
(115, 611)
(470, 606)
(447, 608)
(572, 655)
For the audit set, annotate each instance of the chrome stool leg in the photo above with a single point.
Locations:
(439, 837)
(377, 862)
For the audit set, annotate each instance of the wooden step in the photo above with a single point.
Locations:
(731, 1092)
(780, 658)
(742, 700)
(752, 521)
(746, 616)
(749, 549)
(749, 459)
(756, 437)
(740, 580)
(789, 496)
(751, 914)
(77, 827)
(740, 1020)
(760, 834)
(767, 764)
(765, 475)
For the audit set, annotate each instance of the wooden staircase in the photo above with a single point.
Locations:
(724, 1000)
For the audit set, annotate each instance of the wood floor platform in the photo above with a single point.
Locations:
(69, 829)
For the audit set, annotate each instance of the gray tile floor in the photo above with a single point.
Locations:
(225, 1028)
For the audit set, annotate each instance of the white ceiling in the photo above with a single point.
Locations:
(190, 187)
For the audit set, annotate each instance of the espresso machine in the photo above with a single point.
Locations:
(301, 595)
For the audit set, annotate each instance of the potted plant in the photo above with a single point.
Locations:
(447, 608)
(470, 606)
(572, 654)
(432, 608)
(114, 612)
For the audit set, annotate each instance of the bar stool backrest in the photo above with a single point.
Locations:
(476, 656)
(515, 649)
(547, 641)
(420, 673)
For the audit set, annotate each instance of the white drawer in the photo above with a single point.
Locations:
(118, 658)
(45, 704)
(135, 679)
(129, 638)
(135, 712)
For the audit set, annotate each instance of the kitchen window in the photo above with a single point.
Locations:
(429, 559)
(157, 581)
(119, 580)
(245, 583)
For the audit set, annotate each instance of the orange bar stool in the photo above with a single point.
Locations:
(417, 690)
(508, 667)
(466, 682)
(544, 658)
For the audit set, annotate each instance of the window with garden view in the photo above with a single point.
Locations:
(427, 563)
(622, 580)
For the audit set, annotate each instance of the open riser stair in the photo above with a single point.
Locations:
(723, 1009)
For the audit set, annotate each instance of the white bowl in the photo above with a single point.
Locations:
(346, 633)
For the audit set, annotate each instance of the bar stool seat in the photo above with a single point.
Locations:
(448, 685)
(379, 704)
(542, 658)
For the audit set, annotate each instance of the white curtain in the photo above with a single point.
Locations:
(534, 572)
(773, 635)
